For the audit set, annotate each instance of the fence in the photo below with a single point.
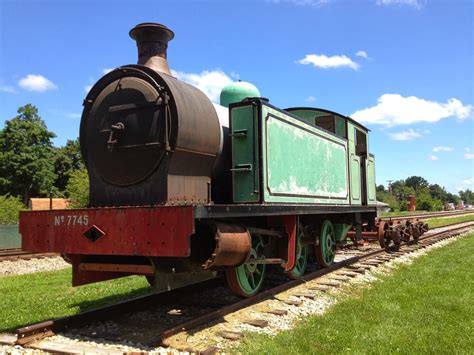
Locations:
(9, 236)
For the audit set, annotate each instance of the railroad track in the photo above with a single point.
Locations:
(13, 254)
(205, 312)
(428, 215)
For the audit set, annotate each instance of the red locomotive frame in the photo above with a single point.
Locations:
(158, 231)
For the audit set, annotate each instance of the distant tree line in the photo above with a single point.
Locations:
(30, 166)
(429, 197)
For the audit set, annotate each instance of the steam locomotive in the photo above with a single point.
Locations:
(182, 189)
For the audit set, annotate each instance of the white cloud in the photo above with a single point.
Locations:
(469, 155)
(73, 115)
(433, 157)
(394, 109)
(39, 83)
(107, 70)
(362, 54)
(415, 3)
(209, 82)
(325, 62)
(468, 181)
(310, 99)
(7, 88)
(443, 149)
(405, 135)
(467, 149)
(87, 88)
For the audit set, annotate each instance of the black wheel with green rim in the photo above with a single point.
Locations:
(246, 279)
(301, 256)
(325, 249)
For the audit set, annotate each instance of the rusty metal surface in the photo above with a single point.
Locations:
(146, 137)
(233, 244)
(144, 231)
(290, 224)
(152, 42)
(124, 268)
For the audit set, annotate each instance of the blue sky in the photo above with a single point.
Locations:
(404, 68)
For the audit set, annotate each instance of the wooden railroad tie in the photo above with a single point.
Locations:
(330, 283)
(259, 323)
(304, 294)
(293, 302)
(229, 335)
(277, 312)
(349, 273)
(321, 288)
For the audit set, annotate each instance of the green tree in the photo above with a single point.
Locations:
(26, 156)
(67, 160)
(425, 202)
(438, 193)
(452, 198)
(467, 196)
(78, 188)
(9, 208)
(416, 182)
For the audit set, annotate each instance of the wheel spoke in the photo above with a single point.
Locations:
(252, 281)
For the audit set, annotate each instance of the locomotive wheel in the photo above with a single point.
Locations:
(382, 235)
(246, 279)
(301, 256)
(325, 250)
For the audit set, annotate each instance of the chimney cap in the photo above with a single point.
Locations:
(151, 30)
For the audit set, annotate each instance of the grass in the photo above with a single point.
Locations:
(407, 213)
(439, 222)
(402, 213)
(41, 296)
(427, 307)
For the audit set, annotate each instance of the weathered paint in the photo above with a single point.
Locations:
(144, 231)
(371, 189)
(245, 165)
(340, 231)
(300, 162)
(354, 170)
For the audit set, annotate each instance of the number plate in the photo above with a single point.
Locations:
(71, 220)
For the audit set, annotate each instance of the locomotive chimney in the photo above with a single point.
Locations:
(152, 41)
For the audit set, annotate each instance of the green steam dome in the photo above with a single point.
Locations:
(238, 91)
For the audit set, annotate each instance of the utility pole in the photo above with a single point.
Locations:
(389, 186)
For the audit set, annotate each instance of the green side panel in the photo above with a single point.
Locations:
(354, 167)
(340, 231)
(302, 163)
(355, 179)
(9, 236)
(245, 167)
(371, 190)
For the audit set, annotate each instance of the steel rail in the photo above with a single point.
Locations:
(427, 215)
(286, 286)
(38, 331)
(19, 254)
